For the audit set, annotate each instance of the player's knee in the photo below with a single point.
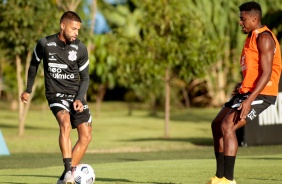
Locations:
(65, 126)
(86, 138)
(227, 127)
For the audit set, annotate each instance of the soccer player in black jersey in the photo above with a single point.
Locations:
(66, 73)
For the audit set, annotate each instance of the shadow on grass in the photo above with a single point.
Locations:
(194, 140)
(263, 158)
(125, 181)
(30, 160)
(192, 115)
(266, 179)
(37, 176)
(113, 180)
(109, 180)
(42, 160)
(27, 127)
(8, 126)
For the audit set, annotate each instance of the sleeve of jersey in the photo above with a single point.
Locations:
(84, 76)
(35, 61)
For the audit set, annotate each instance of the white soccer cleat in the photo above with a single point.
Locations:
(68, 178)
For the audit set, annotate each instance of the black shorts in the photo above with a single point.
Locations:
(57, 104)
(261, 103)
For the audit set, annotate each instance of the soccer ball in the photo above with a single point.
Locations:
(83, 174)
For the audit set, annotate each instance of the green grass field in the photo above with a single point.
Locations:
(131, 149)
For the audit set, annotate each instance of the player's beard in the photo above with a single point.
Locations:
(68, 38)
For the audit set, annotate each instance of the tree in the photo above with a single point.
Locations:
(169, 46)
(105, 63)
(22, 23)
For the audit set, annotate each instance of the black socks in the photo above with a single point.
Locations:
(229, 163)
(67, 164)
(219, 164)
(224, 165)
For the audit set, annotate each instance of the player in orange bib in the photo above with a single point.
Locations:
(261, 67)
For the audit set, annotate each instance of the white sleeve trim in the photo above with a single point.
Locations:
(37, 58)
(84, 66)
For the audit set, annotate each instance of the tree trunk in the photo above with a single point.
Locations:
(99, 98)
(186, 97)
(167, 103)
(217, 83)
(1, 79)
(20, 89)
(67, 5)
(93, 15)
(23, 109)
(90, 44)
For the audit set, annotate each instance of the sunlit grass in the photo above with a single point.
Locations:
(113, 130)
(130, 149)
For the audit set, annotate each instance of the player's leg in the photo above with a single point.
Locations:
(60, 109)
(229, 126)
(63, 118)
(84, 131)
(216, 129)
(218, 144)
(82, 121)
(232, 123)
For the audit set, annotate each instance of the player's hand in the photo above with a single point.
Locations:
(24, 97)
(78, 106)
(245, 108)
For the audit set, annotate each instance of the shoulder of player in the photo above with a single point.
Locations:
(265, 37)
(265, 42)
(52, 38)
(45, 40)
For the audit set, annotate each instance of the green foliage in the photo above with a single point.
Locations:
(22, 24)
(147, 37)
(165, 40)
(9, 79)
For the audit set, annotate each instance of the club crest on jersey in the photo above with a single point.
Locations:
(72, 55)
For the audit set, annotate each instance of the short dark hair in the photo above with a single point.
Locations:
(251, 6)
(70, 15)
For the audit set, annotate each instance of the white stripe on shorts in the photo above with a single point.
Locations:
(58, 105)
(256, 102)
(90, 119)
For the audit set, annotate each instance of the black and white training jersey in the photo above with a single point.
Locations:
(66, 67)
